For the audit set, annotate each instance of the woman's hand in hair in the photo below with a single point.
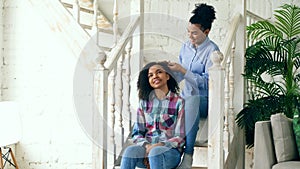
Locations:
(176, 67)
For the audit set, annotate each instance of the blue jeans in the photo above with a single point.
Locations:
(160, 157)
(195, 107)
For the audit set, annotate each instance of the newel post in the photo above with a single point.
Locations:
(216, 112)
(99, 130)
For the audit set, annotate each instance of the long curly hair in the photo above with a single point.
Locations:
(143, 85)
(203, 15)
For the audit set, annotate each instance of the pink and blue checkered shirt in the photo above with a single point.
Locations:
(160, 121)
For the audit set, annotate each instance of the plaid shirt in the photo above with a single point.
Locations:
(160, 121)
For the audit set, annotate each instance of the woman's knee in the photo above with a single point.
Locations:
(159, 150)
(134, 151)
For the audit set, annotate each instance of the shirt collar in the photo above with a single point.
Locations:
(201, 45)
(170, 94)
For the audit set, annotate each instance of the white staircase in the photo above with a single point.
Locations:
(114, 69)
(111, 73)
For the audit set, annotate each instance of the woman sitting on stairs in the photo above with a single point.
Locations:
(159, 131)
(194, 61)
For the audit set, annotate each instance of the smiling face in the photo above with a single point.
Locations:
(158, 78)
(196, 35)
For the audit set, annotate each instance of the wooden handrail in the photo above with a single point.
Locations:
(254, 16)
(230, 37)
(117, 50)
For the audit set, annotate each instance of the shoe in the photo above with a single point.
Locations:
(186, 162)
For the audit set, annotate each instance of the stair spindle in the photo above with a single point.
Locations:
(226, 108)
(231, 117)
(76, 10)
(115, 20)
(120, 94)
(113, 75)
(95, 20)
(128, 79)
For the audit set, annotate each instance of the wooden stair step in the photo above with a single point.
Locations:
(87, 16)
(83, 9)
(100, 29)
(86, 21)
(200, 157)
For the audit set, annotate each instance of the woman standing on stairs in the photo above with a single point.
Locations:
(194, 61)
(159, 131)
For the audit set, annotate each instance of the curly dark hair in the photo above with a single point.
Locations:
(143, 86)
(203, 15)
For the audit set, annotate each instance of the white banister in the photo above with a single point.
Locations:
(222, 131)
(113, 66)
(117, 50)
(216, 113)
(236, 52)
(226, 48)
(108, 84)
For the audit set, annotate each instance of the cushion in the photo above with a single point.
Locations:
(264, 151)
(284, 139)
(287, 165)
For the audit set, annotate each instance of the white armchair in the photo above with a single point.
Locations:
(274, 144)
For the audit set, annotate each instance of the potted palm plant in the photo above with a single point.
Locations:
(272, 69)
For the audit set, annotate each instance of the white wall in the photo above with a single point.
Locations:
(266, 8)
(179, 12)
(39, 71)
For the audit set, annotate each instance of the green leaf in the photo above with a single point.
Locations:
(288, 20)
(263, 29)
(272, 68)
